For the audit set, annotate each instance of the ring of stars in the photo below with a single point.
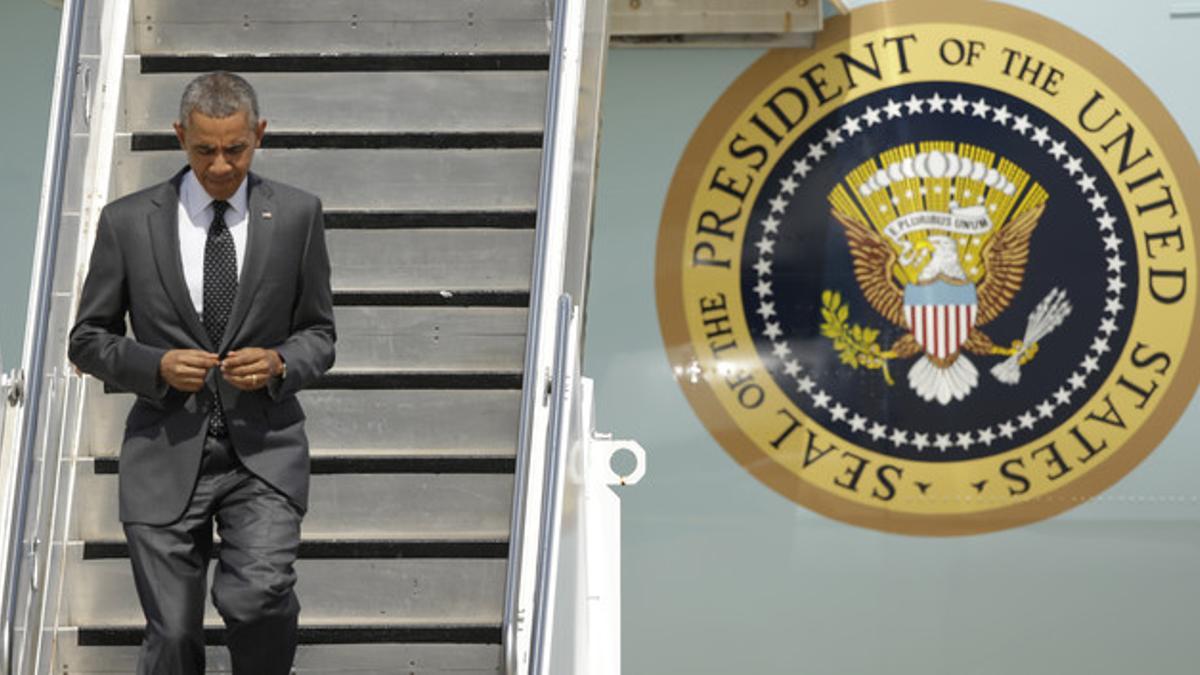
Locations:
(869, 117)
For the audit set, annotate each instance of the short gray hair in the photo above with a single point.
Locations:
(218, 94)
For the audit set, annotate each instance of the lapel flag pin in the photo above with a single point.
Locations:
(266, 215)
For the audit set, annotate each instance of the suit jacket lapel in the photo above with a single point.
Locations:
(164, 241)
(258, 244)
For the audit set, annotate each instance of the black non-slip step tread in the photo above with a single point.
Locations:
(341, 63)
(345, 298)
(419, 380)
(329, 465)
(285, 140)
(408, 379)
(430, 220)
(131, 636)
(396, 464)
(342, 549)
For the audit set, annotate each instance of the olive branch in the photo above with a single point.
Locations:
(856, 346)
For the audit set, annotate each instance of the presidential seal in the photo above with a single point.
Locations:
(934, 276)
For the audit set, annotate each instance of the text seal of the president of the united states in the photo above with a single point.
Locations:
(936, 275)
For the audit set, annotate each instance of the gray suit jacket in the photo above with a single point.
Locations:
(283, 301)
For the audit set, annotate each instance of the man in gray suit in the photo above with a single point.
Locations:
(224, 277)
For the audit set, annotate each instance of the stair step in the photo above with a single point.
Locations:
(431, 338)
(353, 457)
(338, 378)
(363, 506)
(338, 549)
(375, 180)
(422, 220)
(430, 347)
(339, 591)
(385, 25)
(341, 464)
(504, 101)
(321, 651)
(343, 63)
(383, 460)
(483, 419)
(366, 422)
(407, 632)
(340, 140)
(294, 11)
(442, 298)
(437, 260)
(436, 220)
(330, 464)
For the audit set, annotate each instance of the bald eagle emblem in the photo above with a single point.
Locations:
(939, 238)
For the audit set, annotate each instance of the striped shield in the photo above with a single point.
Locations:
(940, 315)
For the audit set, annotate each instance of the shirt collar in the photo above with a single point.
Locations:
(196, 201)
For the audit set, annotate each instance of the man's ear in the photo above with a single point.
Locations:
(258, 133)
(181, 134)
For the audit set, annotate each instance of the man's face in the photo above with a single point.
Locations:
(220, 149)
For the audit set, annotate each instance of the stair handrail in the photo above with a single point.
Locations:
(562, 407)
(12, 399)
(37, 318)
(10, 407)
(577, 47)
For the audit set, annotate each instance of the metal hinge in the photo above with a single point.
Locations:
(34, 552)
(13, 385)
(548, 389)
(85, 92)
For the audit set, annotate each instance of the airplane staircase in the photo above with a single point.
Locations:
(420, 124)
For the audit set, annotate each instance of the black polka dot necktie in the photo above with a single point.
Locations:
(220, 287)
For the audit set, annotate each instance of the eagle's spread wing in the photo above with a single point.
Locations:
(1004, 260)
(874, 260)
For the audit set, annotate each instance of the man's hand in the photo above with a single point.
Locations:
(184, 369)
(251, 368)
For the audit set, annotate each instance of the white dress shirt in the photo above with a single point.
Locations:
(195, 215)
